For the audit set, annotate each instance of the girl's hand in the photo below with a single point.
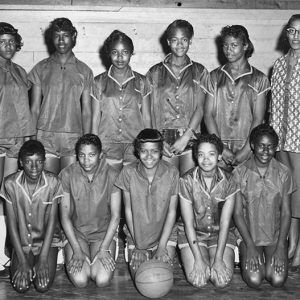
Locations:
(253, 259)
(75, 264)
(220, 272)
(23, 276)
(41, 271)
(228, 156)
(278, 260)
(162, 255)
(167, 151)
(180, 144)
(240, 156)
(138, 257)
(200, 274)
(106, 259)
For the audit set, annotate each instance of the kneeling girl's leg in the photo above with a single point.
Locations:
(252, 278)
(79, 279)
(276, 270)
(41, 282)
(103, 264)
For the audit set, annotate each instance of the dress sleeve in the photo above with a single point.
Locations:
(64, 177)
(6, 191)
(34, 75)
(205, 81)
(58, 192)
(186, 189)
(263, 84)
(232, 188)
(96, 91)
(123, 180)
(88, 80)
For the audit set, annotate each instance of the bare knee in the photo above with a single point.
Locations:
(102, 280)
(42, 289)
(277, 280)
(79, 281)
(252, 279)
(21, 290)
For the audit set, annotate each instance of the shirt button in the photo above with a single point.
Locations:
(176, 97)
(177, 117)
(208, 207)
(178, 77)
(120, 89)
(208, 217)
(177, 107)
(28, 234)
(29, 225)
(120, 130)
(120, 119)
(177, 87)
(29, 214)
(120, 108)
(29, 245)
(120, 97)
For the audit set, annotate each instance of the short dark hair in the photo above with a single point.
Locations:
(30, 148)
(263, 129)
(292, 19)
(6, 28)
(88, 139)
(182, 24)
(238, 31)
(148, 135)
(207, 138)
(63, 24)
(118, 36)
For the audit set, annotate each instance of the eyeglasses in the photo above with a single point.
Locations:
(7, 42)
(292, 31)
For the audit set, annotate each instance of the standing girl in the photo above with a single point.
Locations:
(15, 117)
(237, 102)
(61, 104)
(122, 106)
(179, 86)
(285, 119)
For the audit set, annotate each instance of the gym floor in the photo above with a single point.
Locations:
(122, 288)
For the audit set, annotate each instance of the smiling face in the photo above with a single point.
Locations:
(8, 46)
(294, 39)
(150, 154)
(89, 158)
(33, 166)
(234, 49)
(264, 150)
(208, 157)
(63, 41)
(120, 55)
(179, 42)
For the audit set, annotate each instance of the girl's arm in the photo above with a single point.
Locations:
(24, 275)
(103, 253)
(195, 120)
(42, 268)
(219, 266)
(86, 112)
(146, 111)
(128, 212)
(253, 259)
(35, 103)
(78, 258)
(161, 252)
(96, 116)
(279, 256)
(258, 118)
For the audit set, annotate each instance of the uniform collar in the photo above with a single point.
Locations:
(167, 60)
(225, 69)
(5, 64)
(160, 171)
(129, 75)
(70, 60)
(251, 165)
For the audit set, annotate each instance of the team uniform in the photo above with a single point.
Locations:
(174, 99)
(262, 198)
(149, 202)
(121, 116)
(32, 213)
(15, 117)
(90, 200)
(234, 103)
(59, 123)
(207, 206)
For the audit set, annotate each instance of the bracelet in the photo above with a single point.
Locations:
(192, 131)
(105, 250)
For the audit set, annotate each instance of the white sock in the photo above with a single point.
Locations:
(3, 257)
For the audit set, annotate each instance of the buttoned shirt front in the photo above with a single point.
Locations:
(90, 200)
(120, 105)
(207, 204)
(15, 116)
(235, 101)
(262, 198)
(62, 87)
(149, 202)
(32, 213)
(174, 98)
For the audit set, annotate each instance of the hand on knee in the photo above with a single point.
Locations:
(41, 288)
(253, 279)
(79, 280)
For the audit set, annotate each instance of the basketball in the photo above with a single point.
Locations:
(154, 278)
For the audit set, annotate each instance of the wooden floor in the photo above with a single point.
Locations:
(123, 288)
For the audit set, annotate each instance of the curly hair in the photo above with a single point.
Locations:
(182, 24)
(117, 36)
(263, 129)
(6, 28)
(238, 32)
(63, 24)
(30, 148)
(207, 138)
(88, 139)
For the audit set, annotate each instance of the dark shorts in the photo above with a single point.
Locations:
(58, 143)
(207, 240)
(10, 147)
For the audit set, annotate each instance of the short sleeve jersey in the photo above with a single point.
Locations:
(32, 213)
(120, 105)
(262, 198)
(149, 202)
(235, 101)
(174, 99)
(15, 116)
(62, 87)
(90, 200)
(207, 205)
